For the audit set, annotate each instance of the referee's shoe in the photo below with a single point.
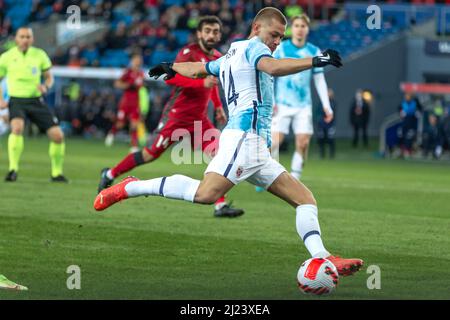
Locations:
(11, 176)
(59, 178)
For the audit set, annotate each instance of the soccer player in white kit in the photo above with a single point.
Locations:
(293, 96)
(245, 73)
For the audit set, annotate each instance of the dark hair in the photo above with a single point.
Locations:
(208, 20)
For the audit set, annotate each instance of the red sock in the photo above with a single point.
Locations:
(134, 138)
(220, 200)
(128, 163)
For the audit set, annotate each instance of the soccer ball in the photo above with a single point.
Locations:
(317, 276)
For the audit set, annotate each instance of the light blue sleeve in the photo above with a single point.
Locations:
(4, 89)
(255, 51)
(317, 53)
(213, 67)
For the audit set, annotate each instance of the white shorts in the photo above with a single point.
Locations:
(245, 156)
(301, 118)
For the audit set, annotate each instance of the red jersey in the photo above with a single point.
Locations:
(189, 99)
(136, 80)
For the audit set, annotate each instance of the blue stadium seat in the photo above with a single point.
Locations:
(181, 35)
(173, 2)
(90, 55)
(159, 56)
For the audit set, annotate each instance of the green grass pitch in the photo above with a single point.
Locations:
(392, 214)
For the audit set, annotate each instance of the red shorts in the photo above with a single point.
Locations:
(128, 110)
(202, 134)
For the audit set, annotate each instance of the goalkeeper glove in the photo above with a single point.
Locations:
(329, 56)
(160, 69)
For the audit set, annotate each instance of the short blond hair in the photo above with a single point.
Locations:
(303, 17)
(269, 13)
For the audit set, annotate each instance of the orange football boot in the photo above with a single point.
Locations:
(107, 197)
(346, 267)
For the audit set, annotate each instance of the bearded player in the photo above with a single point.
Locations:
(187, 104)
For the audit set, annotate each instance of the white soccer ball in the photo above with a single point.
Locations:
(317, 276)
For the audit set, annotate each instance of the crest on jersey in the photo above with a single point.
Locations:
(186, 51)
(239, 171)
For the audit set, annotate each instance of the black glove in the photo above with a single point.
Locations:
(329, 56)
(160, 69)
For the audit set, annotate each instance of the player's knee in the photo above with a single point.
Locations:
(305, 198)
(120, 125)
(133, 125)
(17, 127)
(206, 197)
(56, 135)
(59, 138)
(302, 145)
(309, 198)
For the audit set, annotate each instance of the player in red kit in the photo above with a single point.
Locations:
(131, 81)
(185, 110)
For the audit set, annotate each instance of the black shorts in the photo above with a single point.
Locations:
(34, 109)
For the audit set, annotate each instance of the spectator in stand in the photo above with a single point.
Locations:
(117, 39)
(410, 109)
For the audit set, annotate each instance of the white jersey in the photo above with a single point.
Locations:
(294, 91)
(248, 91)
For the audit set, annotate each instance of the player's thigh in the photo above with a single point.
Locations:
(16, 115)
(277, 139)
(134, 122)
(212, 187)
(134, 118)
(122, 115)
(291, 190)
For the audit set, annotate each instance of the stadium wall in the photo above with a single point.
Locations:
(380, 71)
(428, 57)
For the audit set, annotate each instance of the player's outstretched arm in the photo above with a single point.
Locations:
(187, 69)
(190, 69)
(286, 66)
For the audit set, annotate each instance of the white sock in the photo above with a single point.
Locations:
(297, 165)
(309, 230)
(109, 174)
(174, 187)
(220, 205)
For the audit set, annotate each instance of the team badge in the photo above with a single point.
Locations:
(239, 171)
